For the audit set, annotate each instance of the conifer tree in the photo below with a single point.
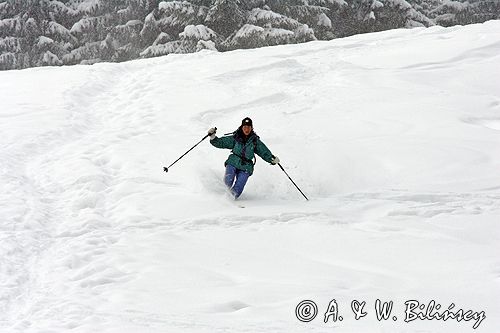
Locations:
(56, 32)
(426, 7)
(225, 16)
(39, 32)
(467, 12)
(173, 16)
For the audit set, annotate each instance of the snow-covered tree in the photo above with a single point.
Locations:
(192, 39)
(91, 52)
(10, 45)
(426, 7)
(266, 18)
(49, 59)
(174, 16)
(55, 32)
(483, 10)
(265, 27)
(205, 45)
(59, 12)
(301, 10)
(11, 26)
(202, 3)
(126, 40)
(395, 14)
(313, 13)
(225, 16)
(192, 35)
(361, 16)
(466, 12)
(252, 36)
(150, 30)
(28, 20)
(8, 60)
(114, 30)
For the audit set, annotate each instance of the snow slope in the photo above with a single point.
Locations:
(394, 136)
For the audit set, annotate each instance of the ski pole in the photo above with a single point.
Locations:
(293, 182)
(206, 136)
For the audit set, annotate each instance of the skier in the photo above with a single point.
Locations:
(244, 143)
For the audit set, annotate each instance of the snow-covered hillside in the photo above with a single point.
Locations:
(394, 136)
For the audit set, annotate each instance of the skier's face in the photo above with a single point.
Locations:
(246, 129)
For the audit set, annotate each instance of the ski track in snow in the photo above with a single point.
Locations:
(95, 237)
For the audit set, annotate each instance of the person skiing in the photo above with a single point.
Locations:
(244, 143)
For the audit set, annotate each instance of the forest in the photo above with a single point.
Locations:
(67, 32)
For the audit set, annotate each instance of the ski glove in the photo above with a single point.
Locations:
(275, 160)
(211, 133)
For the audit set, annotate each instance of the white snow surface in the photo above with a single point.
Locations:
(394, 136)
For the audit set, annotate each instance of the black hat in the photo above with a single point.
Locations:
(246, 122)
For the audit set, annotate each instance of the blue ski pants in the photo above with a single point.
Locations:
(235, 180)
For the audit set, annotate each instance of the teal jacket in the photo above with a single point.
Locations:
(243, 150)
